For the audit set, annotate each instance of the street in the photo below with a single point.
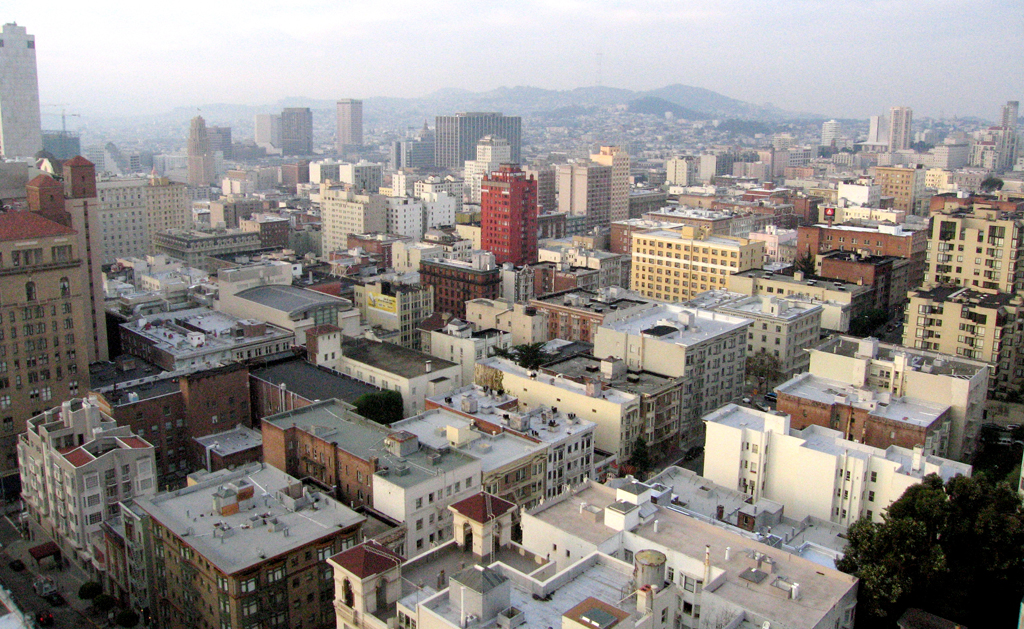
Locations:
(20, 583)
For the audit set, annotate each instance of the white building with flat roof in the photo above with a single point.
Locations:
(814, 471)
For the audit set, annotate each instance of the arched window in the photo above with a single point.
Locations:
(65, 287)
(30, 291)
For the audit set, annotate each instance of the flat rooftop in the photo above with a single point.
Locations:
(820, 588)
(721, 241)
(918, 360)
(591, 301)
(908, 410)
(611, 394)
(678, 324)
(238, 439)
(333, 421)
(312, 382)
(585, 366)
(169, 331)
(760, 306)
(189, 514)
(962, 295)
(401, 361)
(808, 280)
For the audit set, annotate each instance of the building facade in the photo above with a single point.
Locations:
(508, 212)
(455, 282)
(20, 124)
(456, 136)
(350, 124)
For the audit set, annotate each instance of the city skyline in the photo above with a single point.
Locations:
(277, 52)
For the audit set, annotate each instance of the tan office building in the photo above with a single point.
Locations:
(676, 265)
(977, 248)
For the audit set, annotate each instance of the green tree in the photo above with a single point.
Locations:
(865, 324)
(527, 356)
(767, 368)
(991, 183)
(126, 618)
(383, 407)
(641, 456)
(104, 603)
(89, 590)
(805, 264)
(955, 548)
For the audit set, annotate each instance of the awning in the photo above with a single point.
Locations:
(43, 551)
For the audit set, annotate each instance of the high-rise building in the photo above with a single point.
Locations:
(900, 134)
(220, 140)
(200, 157)
(584, 189)
(905, 185)
(547, 200)
(682, 171)
(20, 127)
(491, 152)
(45, 285)
(345, 212)
(1011, 111)
(508, 215)
(268, 132)
(350, 123)
(975, 248)
(168, 206)
(82, 210)
(456, 136)
(618, 200)
(830, 132)
(297, 131)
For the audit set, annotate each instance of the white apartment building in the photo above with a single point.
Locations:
(570, 440)
(404, 217)
(613, 268)
(406, 256)
(942, 379)
(525, 323)
(491, 152)
(814, 471)
(438, 210)
(781, 327)
(863, 193)
(76, 464)
(463, 344)
(707, 348)
(451, 185)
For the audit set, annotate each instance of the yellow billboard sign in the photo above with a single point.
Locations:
(385, 303)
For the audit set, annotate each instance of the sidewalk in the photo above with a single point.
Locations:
(68, 579)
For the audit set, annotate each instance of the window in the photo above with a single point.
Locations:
(249, 585)
(30, 291)
(871, 496)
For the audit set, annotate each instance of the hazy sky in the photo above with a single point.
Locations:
(834, 57)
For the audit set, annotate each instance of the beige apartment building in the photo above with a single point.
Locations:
(975, 324)
(840, 301)
(956, 382)
(978, 248)
(394, 308)
(905, 184)
(676, 265)
(344, 212)
(618, 159)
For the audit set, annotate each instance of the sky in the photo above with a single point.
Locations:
(841, 58)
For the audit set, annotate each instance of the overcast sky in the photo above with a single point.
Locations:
(844, 58)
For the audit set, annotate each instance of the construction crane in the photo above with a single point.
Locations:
(63, 116)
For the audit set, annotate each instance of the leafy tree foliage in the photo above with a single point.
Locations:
(641, 457)
(765, 367)
(383, 407)
(89, 590)
(805, 264)
(527, 356)
(866, 323)
(991, 183)
(126, 618)
(953, 549)
(104, 603)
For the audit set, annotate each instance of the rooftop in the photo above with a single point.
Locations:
(404, 362)
(879, 403)
(271, 523)
(678, 324)
(806, 280)
(665, 234)
(917, 359)
(584, 366)
(962, 295)
(200, 331)
(238, 439)
(333, 421)
(762, 306)
(310, 381)
(591, 301)
(611, 394)
(25, 225)
(291, 299)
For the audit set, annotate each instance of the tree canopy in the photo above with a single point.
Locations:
(383, 407)
(953, 549)
(991, 183)
(527, 356)
(805, 264)
(765, 367)
(641, 456)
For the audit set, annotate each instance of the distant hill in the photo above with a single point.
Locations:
(659, 106)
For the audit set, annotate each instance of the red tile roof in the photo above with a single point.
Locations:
(78, 160)
(25, 225)
(134, 442)
(79, 457)
(367, 559)
(482, 507)
(44, 181)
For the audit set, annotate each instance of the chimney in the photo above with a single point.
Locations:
(707, 565)
(428, 366)
(727, 551)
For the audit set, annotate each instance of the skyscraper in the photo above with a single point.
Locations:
(1011, 111)
(618, 159)
(350, 123)
(584, 189)
(297, 131)
(456, 136)
(200, 158)
(20, 128)
(900, 134)
(830, 132)
(268, 132)
(491, 152)
(220, 140)
(508, 215)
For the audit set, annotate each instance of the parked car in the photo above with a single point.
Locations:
(44, 618)
(17, 565)
(771, 396)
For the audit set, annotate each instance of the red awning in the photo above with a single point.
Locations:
(43, 551)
